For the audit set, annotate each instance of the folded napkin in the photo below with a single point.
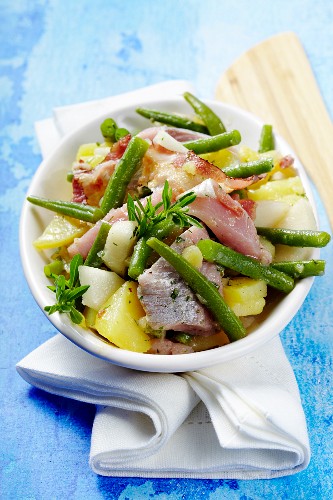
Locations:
(66, 119)
(242, 419)
(250, 423)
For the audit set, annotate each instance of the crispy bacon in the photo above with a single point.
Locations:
(248, 205)
(182, 170)
(78, 191)
(89, 183)
(119, 148)
(286, 161)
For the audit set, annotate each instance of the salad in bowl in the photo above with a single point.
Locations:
(171, 236)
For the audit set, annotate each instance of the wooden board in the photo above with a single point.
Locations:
(274, 81)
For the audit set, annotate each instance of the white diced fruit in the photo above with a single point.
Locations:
(299, 216)
(119, 246)
(102, 284)
(270, 212)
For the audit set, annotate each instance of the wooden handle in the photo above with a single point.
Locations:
(274, 81)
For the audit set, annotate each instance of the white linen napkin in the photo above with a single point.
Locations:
(66, 119)
(249, 423)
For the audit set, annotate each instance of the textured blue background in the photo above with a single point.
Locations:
(61, 52)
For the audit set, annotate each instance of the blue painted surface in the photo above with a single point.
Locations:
(61, 52)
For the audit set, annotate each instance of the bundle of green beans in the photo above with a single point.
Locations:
(207, 121)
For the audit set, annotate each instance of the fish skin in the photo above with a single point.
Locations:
(167, 346)
(168, 301)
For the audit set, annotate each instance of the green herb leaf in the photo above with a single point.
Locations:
(75, 316)
(166, 196)
(148, 215)
(68, 291)
(76, 261)
(131, 208)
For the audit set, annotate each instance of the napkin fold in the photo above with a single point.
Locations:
(242, 419)
(66, 119)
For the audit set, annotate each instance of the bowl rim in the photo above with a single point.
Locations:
(153, 362)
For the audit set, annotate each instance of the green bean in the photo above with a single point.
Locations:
(142, 251)
(120, 133)
(129, 163)
(211, 120)
(69, 208)
(108, 129)
(247, 169)
(301, 268)
(248, 266)
(204, 289)
(295, 237)
(111, 132)
(172, 119)
(214, 143)
(266, 141)
(54, 267)
(94, 258)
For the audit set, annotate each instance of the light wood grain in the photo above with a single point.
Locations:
(274, 81)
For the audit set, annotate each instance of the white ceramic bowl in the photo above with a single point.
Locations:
(50, 182)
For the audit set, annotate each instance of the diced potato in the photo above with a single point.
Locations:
(92, 153)
(222, 158)
(60, 231)
(193, 255)
(245, 296)
(86, 150)
(299, 216)
(90, 317)
(247, 154)
(275, 190)
(279, 172)
(93, 161)
(102, 284)
(270, 212)
(119, 246)
(117, 320)
(203, 343)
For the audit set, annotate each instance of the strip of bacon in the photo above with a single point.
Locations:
(183, 170)
(89, 183)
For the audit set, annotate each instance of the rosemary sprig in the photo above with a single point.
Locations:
(68, 291)
(149, 215)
